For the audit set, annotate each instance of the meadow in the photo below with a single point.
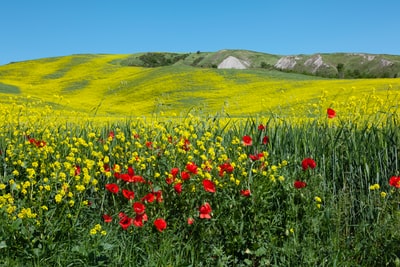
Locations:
(305, 175)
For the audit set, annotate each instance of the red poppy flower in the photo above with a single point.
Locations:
(174, 172)
(225, 168)
(209, 186)
(205, 211)
(128, 194)
(256, 157)
(178, 188)
(37, 143)
(133, 179)
(140, 219)
(265, 140)
(299, 184)
(106, 167)
(121, 215)
(107, 218)
(138, 207)
(149, 144)
(191, 167)
(113, 188)
(261, 127)
(158, 195)
(125, 222)
(247, 141)
(186, 145)
(169, 180)
(131, 171)
(308, 163)
(245, 192)
(77, 170)
(190, 220)
(160, 224)
(394, 181)
(331, 113)
(185, 176)
(148, 198)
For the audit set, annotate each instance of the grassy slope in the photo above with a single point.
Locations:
(99, 84)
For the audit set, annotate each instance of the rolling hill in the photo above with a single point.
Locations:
(173, 83)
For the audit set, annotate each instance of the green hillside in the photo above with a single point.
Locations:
(333, 65)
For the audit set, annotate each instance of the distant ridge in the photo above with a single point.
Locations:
(327, 65)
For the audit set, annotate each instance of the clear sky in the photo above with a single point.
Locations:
(31, 29)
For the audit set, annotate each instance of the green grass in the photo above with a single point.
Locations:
(9, 89)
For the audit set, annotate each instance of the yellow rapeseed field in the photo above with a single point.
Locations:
(96, 85)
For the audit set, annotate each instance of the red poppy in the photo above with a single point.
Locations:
(107, 218)
(148, 198)
(138, 207)
(265, 140)
(77, 170)
(38, 143)
(169, 180)
(308, 163)
(131, 171)
(174, 172)
(261, 127)
(149, 144)
(128, 194)
(209, 186)
(185, 176)
(299, 184)
(256, 157)
(245, 192)
(331, 113)
(190, 220)
(158, 195)
(247, 141)
(130, 176)
(225, 168)
(136, 179)
(205, 211)
(106, 167)
(186, 145)
(113, 188)
(178, 188)
(121, 215)
(394, 181)
(160, 224)
(191, 167)
(125, 222)
(140, 219)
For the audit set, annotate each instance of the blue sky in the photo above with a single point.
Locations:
(32, 29)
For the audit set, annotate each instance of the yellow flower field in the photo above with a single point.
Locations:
(97, 85)
(103, 165)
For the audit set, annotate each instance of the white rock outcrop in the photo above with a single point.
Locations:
(233, 63)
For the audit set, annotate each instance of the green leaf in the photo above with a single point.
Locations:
(3, 244)
(108, 246)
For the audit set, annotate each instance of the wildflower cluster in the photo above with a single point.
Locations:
(186, 167)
